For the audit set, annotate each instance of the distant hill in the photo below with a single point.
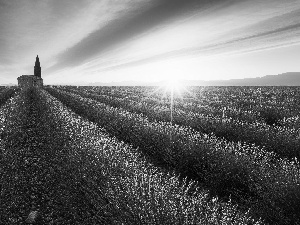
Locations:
(285, 79)
(10, 84)
(124, 83)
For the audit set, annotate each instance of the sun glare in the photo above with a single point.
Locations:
(173, 86)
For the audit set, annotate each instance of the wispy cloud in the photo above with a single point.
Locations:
(133, 23)
(52, 27)
(89, 36)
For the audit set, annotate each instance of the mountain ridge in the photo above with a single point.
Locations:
(284, 79)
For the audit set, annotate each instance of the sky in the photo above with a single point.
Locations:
(87, 41)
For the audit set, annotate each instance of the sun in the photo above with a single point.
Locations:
(173, 86)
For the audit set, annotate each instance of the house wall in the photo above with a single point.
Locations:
(30, 81)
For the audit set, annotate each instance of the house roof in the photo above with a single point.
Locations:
(29, 77)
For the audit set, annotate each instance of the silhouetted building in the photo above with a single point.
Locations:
(35, 80)
(37, 67)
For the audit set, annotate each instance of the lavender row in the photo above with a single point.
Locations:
(246, 172)
(135, 191)
(284, 141)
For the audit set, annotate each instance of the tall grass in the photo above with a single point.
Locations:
(285, 141)
(248, 173)
(136, 191)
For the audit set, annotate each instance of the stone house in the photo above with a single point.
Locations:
(35, 80)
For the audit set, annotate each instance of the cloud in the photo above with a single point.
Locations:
(112, 35)
(132, 24)
(50, 27)
(29, 27)
(158, 34)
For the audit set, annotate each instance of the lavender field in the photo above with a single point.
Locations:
(148, 155)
